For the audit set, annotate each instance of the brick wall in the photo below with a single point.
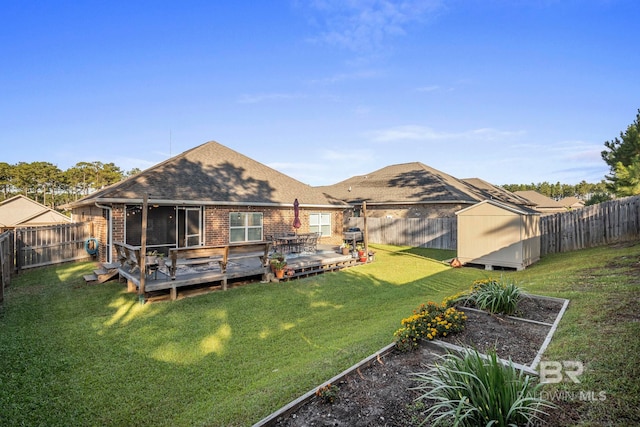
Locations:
(216, 223)
(94, 216)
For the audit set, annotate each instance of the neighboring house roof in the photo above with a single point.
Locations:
(211, 174)
(411, 183)
(493, 192)
(542, 203)
(572, 202)
(21, 211)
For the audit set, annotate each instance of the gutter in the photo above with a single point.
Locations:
(434, 202)
(98, 203)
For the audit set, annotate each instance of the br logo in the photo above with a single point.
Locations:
(554, 372)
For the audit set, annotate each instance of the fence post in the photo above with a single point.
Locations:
(18, 250)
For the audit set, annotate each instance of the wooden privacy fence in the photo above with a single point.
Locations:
(591, 226)
(436, 233)
(54, 244)
(6, 260)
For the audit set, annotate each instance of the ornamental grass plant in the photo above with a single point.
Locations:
(472, 390)
(492, 295)
(497, 297)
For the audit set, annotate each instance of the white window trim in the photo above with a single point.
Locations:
(247, 227)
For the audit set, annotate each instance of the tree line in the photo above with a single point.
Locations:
(587, 192)
(45, 183)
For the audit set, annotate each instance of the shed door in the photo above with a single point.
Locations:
(189, 226)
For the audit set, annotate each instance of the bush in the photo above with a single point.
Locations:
(497, 297)
(494, 296)
(479, 391)
(328, 393)
(428, 321)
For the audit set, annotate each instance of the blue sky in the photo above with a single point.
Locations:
(510, 91)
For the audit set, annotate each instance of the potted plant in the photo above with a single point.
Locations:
(276, 256)
(151, 258)
(345, 247)
(160, 259)
(278, 267)
(361, 255)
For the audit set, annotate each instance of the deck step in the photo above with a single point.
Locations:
(106, 275)
(90, 278)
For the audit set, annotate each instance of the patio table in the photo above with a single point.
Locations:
(291, 244)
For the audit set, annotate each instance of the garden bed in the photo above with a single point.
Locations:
(378, 392)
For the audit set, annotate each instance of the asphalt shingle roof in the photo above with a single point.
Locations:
(415, 183)
(212, 173)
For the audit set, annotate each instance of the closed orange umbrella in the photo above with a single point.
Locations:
(296, 215)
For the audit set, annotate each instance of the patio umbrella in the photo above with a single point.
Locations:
(296, 215)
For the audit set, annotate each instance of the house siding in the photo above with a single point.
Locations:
(215, 223)
(118, 216)
(275, 221)
(441, 210)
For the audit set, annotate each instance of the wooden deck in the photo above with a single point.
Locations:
(196, 279)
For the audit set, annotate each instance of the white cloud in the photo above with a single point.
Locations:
(579, 150)
(343, 77)
(366, 24)
(265, 97)
(423, 133)
(431, 88)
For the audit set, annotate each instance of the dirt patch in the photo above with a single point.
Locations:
(380, 394)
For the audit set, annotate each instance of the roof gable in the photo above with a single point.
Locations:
(212, 174)
(490, 191)
(417, 183)
(21, 210)
(403, 183)
(540, 200)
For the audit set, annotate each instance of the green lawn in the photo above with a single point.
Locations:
(76, 354)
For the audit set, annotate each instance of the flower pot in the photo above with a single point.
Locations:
(280, 273)
(345, 251)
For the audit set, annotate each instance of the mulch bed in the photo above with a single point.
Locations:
(380, 394)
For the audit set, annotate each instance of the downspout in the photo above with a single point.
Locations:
(109, 230)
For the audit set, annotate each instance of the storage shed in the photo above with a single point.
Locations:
(496, 234)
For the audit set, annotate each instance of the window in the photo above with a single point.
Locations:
(320, 223)
(245, 227)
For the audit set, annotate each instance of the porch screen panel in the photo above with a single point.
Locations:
(193, 227)
(160, 226)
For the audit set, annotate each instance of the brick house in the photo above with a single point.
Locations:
(209, 195)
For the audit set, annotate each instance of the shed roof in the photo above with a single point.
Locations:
(212, 174)
(516, 209)
(22, 211)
